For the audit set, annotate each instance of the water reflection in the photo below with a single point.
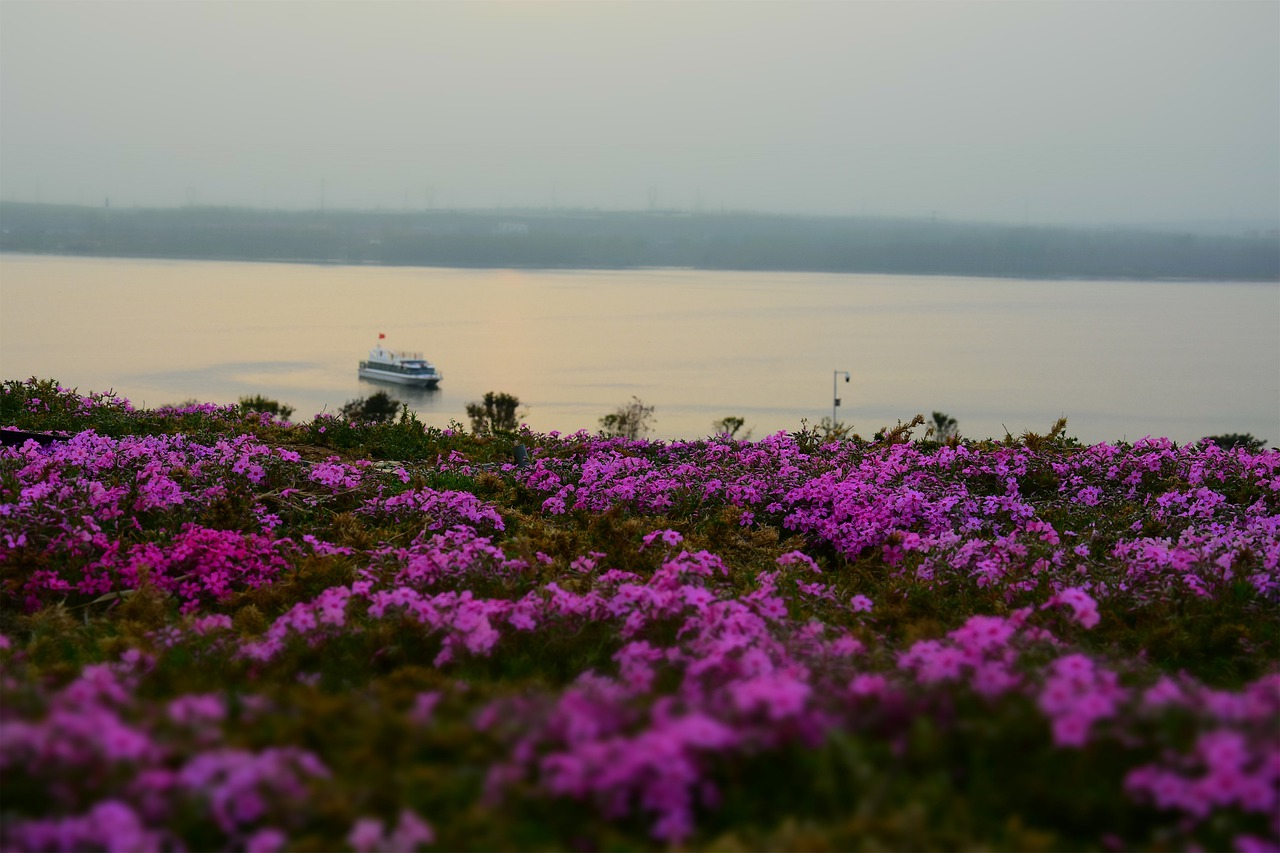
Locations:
(418, 399)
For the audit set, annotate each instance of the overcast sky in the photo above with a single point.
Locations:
(1078, 112)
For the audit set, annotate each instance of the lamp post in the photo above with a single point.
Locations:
(835, 400)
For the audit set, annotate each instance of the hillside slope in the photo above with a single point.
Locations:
(220, 631)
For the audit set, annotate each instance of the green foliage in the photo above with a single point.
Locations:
(943, 427)
(631, 420)
(377, 408)
(44, 405)
(259, 403)
(1236, 439)
(495, 413)
(812, 436)
(729, 426)
(1056, 437)
(900, 434)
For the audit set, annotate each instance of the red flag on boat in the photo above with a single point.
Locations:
(381, 336)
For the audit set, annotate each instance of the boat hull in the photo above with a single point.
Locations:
(398, 378)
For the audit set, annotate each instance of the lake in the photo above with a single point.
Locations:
(1120, 359)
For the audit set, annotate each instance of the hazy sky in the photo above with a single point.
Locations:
(1085, 112)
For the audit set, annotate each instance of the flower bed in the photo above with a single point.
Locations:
(231, 633)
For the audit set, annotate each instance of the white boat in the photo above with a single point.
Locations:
(405, 368)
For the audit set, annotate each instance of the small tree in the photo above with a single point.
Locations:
(631, 420)
(377, 408)
(259, 403)
(944, 427)
(729, 426)
(812, 436)
(495, 413)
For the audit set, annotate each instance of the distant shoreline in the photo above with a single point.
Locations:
(530, 268)
(549, 240)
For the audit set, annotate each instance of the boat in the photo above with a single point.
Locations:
(399, 366)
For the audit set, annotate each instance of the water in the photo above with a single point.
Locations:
(1120, 359)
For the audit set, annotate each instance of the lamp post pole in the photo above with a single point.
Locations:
(835, 400)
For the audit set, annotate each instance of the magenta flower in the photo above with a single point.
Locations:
(1083, 608)
(860, 604)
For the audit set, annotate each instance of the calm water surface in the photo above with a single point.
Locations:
(1121, 359)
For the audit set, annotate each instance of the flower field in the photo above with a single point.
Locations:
(219, 631)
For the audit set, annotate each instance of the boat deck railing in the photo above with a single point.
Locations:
(425, 367)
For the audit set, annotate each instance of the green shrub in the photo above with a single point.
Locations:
(631, 420)
(259, 403)
(495, 413)
(379, 408)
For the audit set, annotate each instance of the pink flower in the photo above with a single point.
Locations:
(1084, 609)
(868, 685)
(1164, 692)
(943, 665)
(424, 706)
(779, 696)
(799, 557)
(366, 835)
(1070, 730)
(983, 633)
(411, 832)
(266, 840)
(670, 538)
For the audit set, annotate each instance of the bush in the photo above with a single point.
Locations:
(495, 413)
(259, 403)
(379, 408)
(631, 420)
(1236, 439)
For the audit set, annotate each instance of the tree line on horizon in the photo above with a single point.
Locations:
(600, 239)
